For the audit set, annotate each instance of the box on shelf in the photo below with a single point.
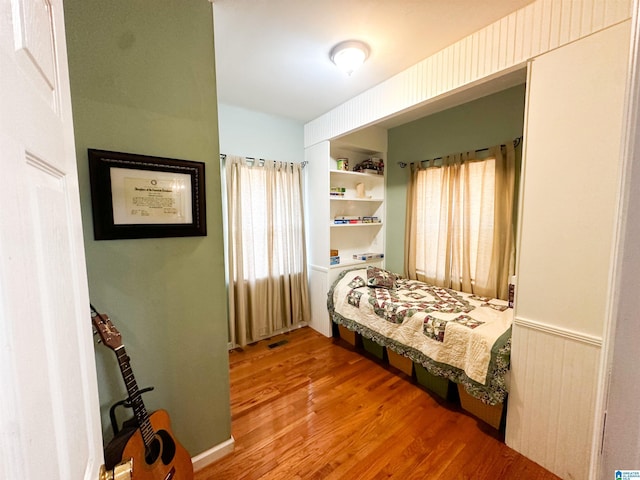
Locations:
(491, 414)
(439, 385)
(367, 256)
(373, 348)
(333, 252)
(334, 260)
(402, 363)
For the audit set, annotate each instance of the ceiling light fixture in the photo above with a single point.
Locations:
(349, 55)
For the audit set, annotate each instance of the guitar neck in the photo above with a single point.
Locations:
(139, 409)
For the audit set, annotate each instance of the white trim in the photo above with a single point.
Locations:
(317, 268)
(213, 454)
(558, 331)
(616, 304)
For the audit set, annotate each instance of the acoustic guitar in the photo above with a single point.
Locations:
(147, 438)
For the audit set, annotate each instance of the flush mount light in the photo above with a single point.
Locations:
(349, 55)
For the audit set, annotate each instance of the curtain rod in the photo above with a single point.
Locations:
(262, 160)
(516, 142)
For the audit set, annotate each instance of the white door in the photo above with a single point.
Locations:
(49, 411)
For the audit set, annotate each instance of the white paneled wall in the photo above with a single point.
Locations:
(571, 185)
(506, 44)
(552, 397)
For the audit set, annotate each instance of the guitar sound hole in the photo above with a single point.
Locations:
(168, 447)
(162, 446)
(153, 451)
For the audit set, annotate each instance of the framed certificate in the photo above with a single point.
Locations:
(138, 196)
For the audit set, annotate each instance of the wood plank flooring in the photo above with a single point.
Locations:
(314, 408)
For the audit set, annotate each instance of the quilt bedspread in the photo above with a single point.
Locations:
(460, 336)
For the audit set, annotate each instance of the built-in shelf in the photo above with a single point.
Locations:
(342, 194)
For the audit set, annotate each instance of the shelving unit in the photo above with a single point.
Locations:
(363, 196)
(354, 238)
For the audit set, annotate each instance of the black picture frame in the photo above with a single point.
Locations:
(140, 196)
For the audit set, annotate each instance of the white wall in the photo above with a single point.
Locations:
(259, 135)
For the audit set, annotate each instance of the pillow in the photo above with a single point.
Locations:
(379, 278)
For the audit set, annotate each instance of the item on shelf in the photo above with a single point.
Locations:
(367, 256)
(333, 252)
(371, 165)
(334, 260)
(337, 191)
(352, 220)
(360, 190)
(343, 164)
(370, 220)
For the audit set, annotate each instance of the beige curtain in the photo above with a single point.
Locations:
(459, 231)
(268, 290)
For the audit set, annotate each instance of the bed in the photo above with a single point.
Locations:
(459, 336)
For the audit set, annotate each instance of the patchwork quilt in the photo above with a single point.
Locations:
(460, 336)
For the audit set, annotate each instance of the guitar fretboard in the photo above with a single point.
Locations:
(139, 409)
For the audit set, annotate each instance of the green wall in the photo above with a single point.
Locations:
(143, 81)
(485, 122)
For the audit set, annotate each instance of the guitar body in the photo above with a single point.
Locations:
(166, 460)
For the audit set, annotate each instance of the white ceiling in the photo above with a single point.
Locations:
(272, 56)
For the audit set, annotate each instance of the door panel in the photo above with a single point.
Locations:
(34, 38)
(49, 410)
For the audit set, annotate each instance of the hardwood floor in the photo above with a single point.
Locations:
(314, 408)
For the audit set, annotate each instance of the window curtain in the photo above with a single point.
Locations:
(459, 230)
(268, 290)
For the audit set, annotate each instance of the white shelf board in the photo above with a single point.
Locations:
(357, 174)
(342, 199)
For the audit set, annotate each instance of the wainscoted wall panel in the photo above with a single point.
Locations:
(574, 118)
(554, 375)
(533, 30)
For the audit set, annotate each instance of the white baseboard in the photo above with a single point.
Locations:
(213, 454)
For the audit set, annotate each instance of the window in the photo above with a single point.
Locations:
(268, 290)
(459, 223)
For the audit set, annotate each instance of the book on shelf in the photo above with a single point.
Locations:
(344, 220)
(337, 191)
(367, 256)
